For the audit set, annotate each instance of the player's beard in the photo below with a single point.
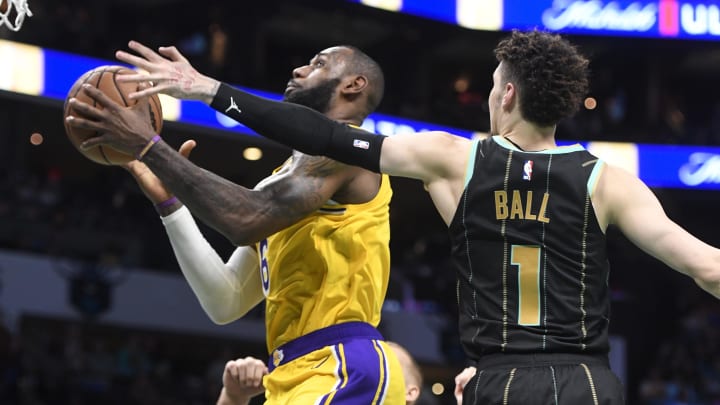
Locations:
(318, 98)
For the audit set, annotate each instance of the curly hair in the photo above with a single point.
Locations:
(549, 72)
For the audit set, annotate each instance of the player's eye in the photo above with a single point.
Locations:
(320, 63)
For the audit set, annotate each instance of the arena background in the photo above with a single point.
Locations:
(95, 310)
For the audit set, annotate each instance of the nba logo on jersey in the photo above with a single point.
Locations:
(527, 170)
(359, 143)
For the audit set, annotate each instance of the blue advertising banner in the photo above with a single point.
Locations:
(40, 72)
(654, 19)
(58, 71)
(689, 19)
(679, 166)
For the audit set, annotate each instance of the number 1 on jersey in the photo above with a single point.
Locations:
(527, 258)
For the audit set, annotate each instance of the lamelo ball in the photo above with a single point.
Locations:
(105, 79)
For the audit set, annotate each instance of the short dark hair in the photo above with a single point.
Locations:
(550, 73)
(360, 63)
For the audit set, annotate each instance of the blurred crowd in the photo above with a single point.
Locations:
(67, 363)
(686, 370)
(48, 361)
(48, 213)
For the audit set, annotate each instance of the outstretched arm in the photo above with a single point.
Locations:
(426, 156)
(628, 202)
(438, 159)
(293, 125)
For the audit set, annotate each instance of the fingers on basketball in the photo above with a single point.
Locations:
(104, 78)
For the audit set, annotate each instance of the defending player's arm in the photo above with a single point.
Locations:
(422, 156)
(628, 203)
(419, 156)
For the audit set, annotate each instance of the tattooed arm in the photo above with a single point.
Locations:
(241, 215)
(246, 216)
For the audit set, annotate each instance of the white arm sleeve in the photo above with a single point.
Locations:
(226, 291)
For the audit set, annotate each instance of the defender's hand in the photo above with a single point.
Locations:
(461, 381)
(170, 72)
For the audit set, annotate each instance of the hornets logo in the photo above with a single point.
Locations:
(264, 269)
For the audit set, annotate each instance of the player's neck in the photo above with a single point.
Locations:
(529, 137)
(344, 115)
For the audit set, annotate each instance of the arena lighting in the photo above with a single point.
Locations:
(689, 19)
(48, 73)
(252, 153)
(590, 103)
(438, 389)
(36, 139)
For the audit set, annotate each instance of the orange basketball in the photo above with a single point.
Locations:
(105, 79)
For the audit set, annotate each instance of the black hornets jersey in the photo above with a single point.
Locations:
(529, 252)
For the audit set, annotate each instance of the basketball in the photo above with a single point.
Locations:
(105, 79)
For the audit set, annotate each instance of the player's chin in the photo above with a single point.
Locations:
(289, 90)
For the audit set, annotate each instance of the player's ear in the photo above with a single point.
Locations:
(510, 96)
(355, 84)
(412, 393)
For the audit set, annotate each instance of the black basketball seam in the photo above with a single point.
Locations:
(100, 72)
(87, 76)
(100, 147)
(122, 96)
(153, 119)
(115, 72)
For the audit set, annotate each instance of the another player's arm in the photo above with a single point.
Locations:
(242, 380)
(439, 159)
(628, 203)
(436, 156)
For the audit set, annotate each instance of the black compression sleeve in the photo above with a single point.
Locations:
(300, 128)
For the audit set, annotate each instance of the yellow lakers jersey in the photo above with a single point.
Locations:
(331, 267)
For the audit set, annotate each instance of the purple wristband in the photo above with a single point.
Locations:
(170, 201)
(155, 139)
